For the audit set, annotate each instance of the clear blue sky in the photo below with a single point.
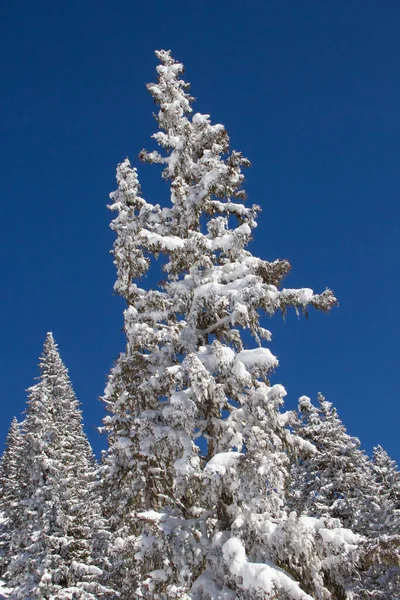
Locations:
(308, 90)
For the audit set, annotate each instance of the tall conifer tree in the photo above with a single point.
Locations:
(202, 521)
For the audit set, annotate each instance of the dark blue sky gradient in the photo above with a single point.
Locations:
(309, 91)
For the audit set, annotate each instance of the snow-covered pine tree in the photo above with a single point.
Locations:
(387, 478)
(10, 489)
(340, 481)
(336, 481)
(51, 548)
(209, 523)
(380, 554)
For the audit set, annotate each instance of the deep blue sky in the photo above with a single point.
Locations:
(309, 91)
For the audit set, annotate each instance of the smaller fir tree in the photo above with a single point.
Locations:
(52, 546)
(380, 556)
(10, 489)
(387, 478)
(335, 481)
(338, 481)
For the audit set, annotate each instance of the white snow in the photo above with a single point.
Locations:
(305, 295)
(258, 357)
(4, 591)
(340, 537)
(166, 242)
(206, 588)
(241, 372)
(221, 462)
(150, 515)
(159, 575)
(259, 576)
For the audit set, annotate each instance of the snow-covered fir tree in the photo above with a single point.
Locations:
(380, 554)
(52, 542)
(198, 462)
(336, 480)
(10, 489)
(339, 481)
(387, 478)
